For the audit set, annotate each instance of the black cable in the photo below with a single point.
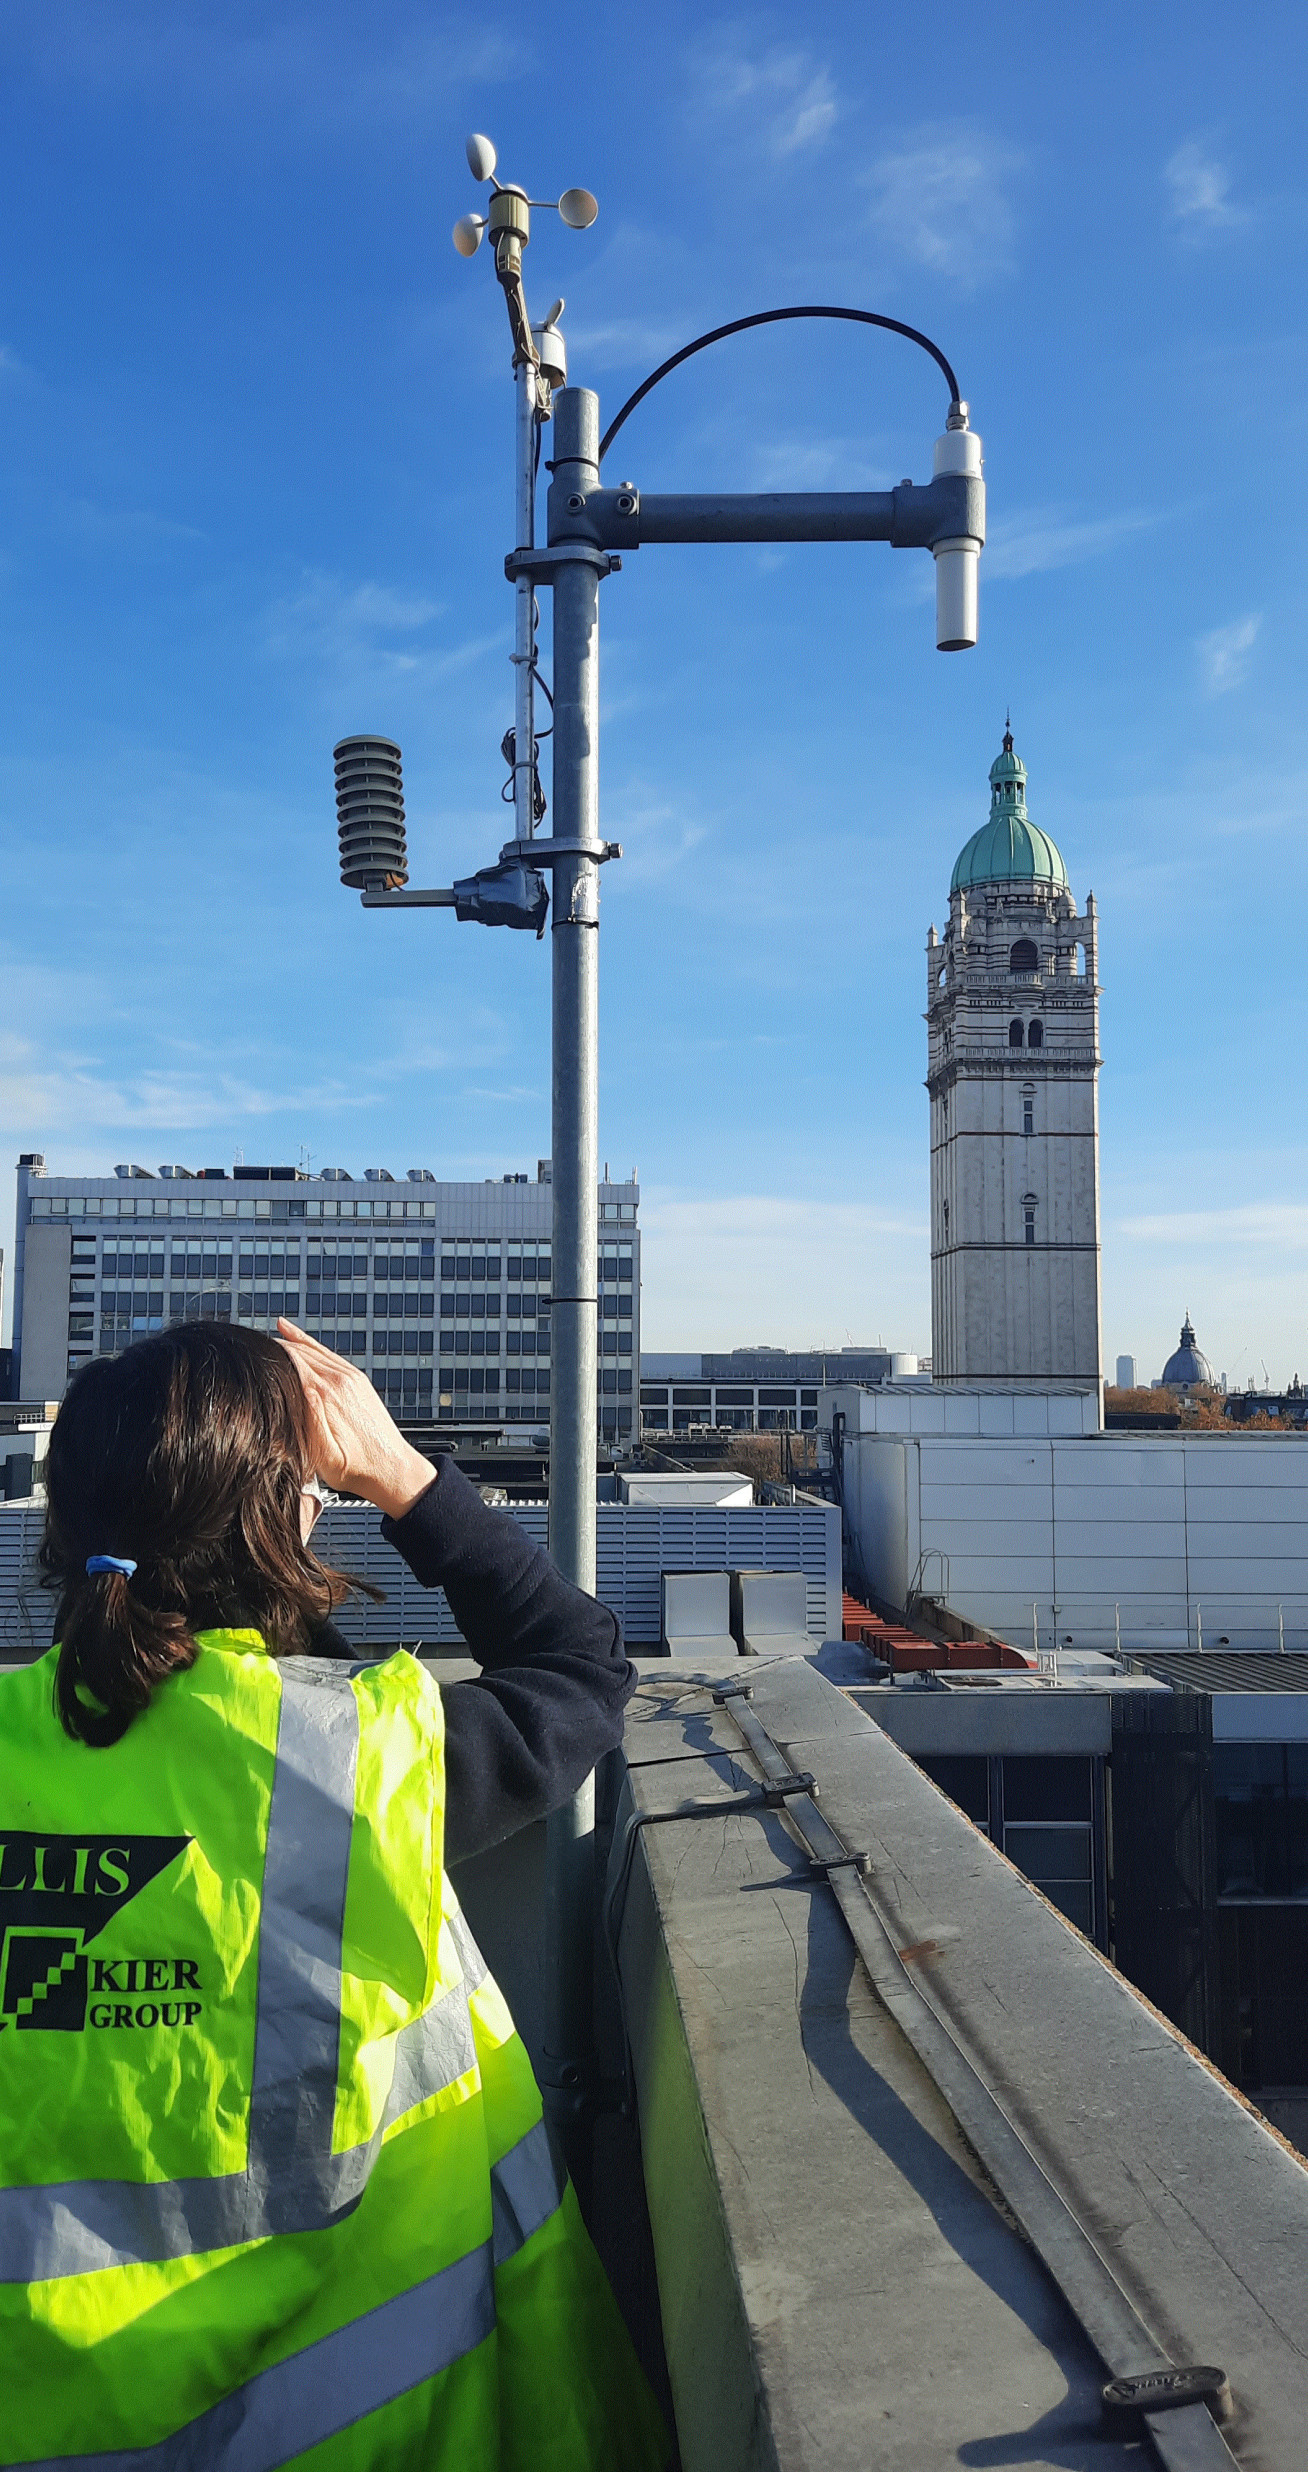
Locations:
(773, 317)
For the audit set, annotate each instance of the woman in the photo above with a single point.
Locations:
(274, 2184)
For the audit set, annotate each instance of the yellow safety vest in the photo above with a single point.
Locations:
(274, 2183)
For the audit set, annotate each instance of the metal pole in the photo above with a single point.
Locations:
(524, 614)
(570, 1892)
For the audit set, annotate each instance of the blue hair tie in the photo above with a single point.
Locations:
(109, 1562)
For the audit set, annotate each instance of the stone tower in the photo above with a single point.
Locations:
(1013, 1058)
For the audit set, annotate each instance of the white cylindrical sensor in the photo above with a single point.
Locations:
(957, 563)
(959, 450)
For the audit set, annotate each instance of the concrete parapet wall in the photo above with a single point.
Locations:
(838, 2284)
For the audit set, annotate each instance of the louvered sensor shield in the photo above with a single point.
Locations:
(370, 814)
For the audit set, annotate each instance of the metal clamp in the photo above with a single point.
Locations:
(540, 566)
(544, 852)
(1167, 2390)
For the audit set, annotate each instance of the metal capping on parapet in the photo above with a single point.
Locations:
(1162, 2207)
(1183, 2430)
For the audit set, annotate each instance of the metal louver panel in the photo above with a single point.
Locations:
(26, 1610)
(635, 1546)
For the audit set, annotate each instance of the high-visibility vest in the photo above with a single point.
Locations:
(274, 2181)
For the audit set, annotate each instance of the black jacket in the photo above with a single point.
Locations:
(548, 1703)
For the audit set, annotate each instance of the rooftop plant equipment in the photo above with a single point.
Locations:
(590, 527)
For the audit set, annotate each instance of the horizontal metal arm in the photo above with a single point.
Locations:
(408, 901)
(799, 516)
(951, 507)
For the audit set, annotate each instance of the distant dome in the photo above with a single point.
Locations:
(1187, 1366)
(1009, 849)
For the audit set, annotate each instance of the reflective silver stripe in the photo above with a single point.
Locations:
(297, 2034)
(81, 2227)
(527, 2186)
(432, 2053)
(472, 1964)
(327, 2387)
(293, 2180)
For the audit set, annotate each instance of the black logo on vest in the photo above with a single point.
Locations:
(56, 1896)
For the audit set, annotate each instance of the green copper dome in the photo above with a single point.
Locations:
(1009, 848)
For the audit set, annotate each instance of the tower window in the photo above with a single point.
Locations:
(1028, 1115)
(1035, 1036)
(1024, 955)
(1015, 1034)
(1028, 1218)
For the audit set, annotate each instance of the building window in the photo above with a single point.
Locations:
(1028, 1218)
(1015, 1034)
(1035, 1035)
(1028, 1115)
(1024, 955)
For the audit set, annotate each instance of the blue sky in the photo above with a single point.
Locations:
(255, 424)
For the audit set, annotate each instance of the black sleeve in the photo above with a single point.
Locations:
(522, 1737)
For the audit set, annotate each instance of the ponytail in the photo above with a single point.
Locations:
(113, 1650)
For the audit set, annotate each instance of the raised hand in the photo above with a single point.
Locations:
(357, 1446)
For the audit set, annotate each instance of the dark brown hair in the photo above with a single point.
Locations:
(185, 1455)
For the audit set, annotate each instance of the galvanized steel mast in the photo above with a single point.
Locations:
(589, 526)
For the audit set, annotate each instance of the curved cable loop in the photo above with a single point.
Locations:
(774, 317)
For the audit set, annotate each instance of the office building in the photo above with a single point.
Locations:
(1013, 1068)
(442, 1291)
(758, 1390)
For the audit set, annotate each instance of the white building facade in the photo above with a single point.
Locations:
(1013, 1064)
(442, 1291)
(1011, 1508)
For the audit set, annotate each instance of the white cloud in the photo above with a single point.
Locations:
(656, 835)
(293, 70)
(1283, 1224)
(1200, 187)
(741, 1270)
(944, 199)
(1044, 538)
(816, 463)
(367, 627)
(66, 1094)
(622, 343)
(135, 527)
(789, 97)
(1224, 654)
